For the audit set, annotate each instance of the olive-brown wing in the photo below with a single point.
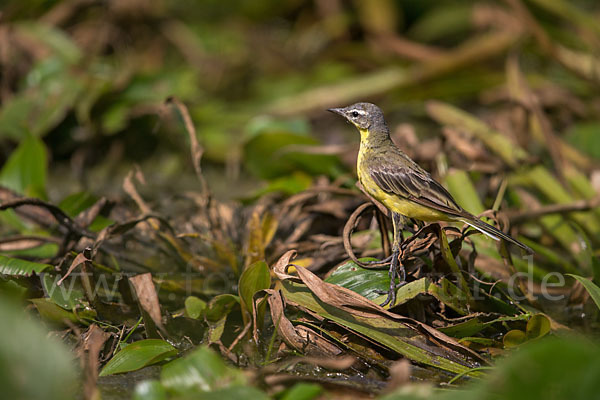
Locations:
(417, 186)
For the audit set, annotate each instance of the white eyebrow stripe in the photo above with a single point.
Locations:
(361, 112)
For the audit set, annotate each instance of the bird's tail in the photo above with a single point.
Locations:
(493, 232)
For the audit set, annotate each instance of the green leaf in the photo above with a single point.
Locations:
(52, 92)
(34, 364)
(254, 278)
(65, 295)
(514, 338)
(537, 326)
(449, 258)
(550, 368)
(139, 355)
(25, 169)
(58, 42)
(202, 370)
(289, 184)
(475, 325)
(275, 154)
(50, 312)
(220, 306)
(194, 307)
(303, 391)
(460, 185)
(591, 288)
(18, 267)
(150, 390)
(586, 137)
(76, 203)
(369, 283)
(446, 292)
(235, 392)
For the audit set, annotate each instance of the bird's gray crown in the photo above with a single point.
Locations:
(363, 116)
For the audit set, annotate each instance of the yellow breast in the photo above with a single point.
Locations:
(394, 202)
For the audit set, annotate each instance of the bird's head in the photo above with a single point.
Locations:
(362, 115)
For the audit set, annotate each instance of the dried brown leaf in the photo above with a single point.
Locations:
(147, 297)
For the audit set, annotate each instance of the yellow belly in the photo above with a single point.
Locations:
(398, 204)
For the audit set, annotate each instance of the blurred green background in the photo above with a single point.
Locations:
(89, 80)
(84, 84)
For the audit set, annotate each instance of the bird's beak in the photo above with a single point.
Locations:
(339, 111)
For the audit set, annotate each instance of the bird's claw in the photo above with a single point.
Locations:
(396, 271)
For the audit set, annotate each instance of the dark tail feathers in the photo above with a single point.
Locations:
(493, 232)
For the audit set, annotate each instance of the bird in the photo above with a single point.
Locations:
(388, 175)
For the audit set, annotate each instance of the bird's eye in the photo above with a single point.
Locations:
(354, 114)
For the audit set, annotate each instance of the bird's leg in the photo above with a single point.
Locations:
(396, 268)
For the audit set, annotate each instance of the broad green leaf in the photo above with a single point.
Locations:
(289, 184)
(514, 338)
(50, 312)
(150, 390)
(460, 185)
(369, 283)
(591, 288)
(18, 267)
(476, 325)
(51, 93)
(76, 203)
(13, 290)
(220, 306)
(138, 355)
(216, 329)
(550, 368)
(194, 307)
(68, 295)
(446, 292)
(202, 370)
(25, 169)
(43, 250)
(263, 124)
(254, 278)
(34, 364)
(272, 155)
(537, 326)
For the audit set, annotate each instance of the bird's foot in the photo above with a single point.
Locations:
(396, 271)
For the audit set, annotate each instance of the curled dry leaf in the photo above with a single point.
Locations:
(359, 306)
(280, 267)
(80, 259)
(147, 297)
(300, 338)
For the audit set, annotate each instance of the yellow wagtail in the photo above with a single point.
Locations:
(400, 184)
